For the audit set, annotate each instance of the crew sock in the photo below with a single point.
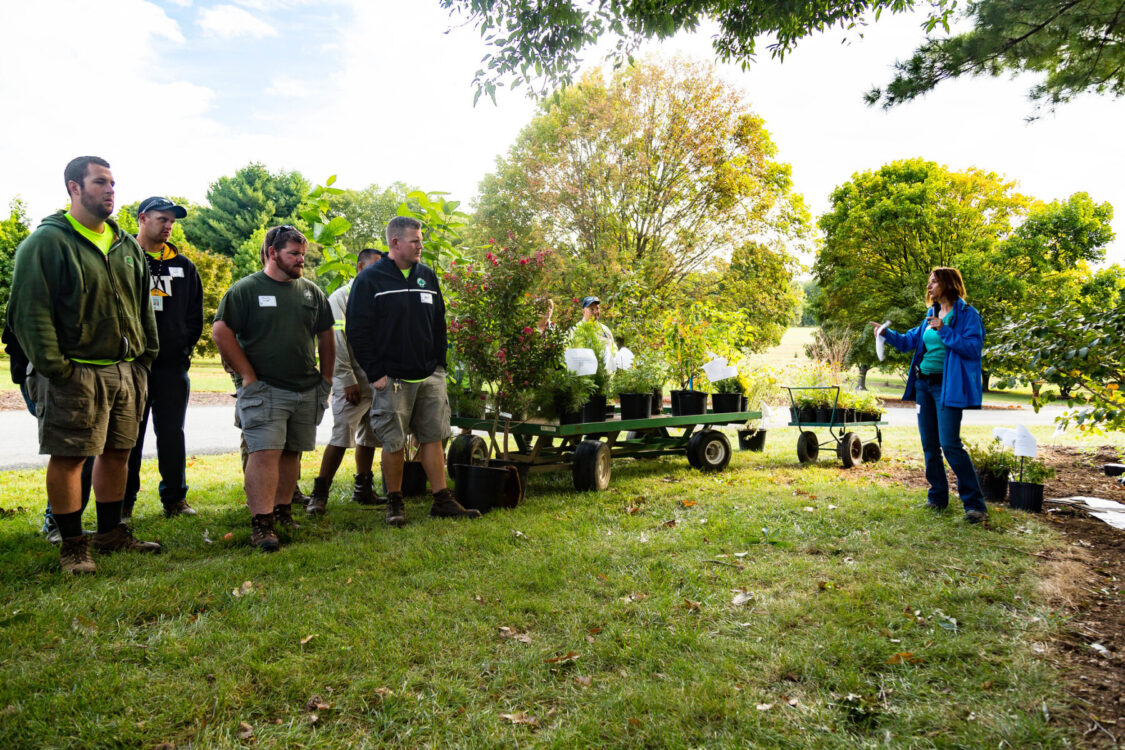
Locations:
(109, 516)
(70, 524)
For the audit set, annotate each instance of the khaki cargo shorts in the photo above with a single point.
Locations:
(420, 409)
(99, 407)
(278, 419)
(350, 422)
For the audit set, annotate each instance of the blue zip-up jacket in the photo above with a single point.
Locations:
(963, 337)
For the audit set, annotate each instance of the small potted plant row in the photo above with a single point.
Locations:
(823, 406)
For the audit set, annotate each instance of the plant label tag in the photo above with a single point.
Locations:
(157, 304)
(547, 428)
(267, 300)
(176, 272)
(427, 298)
(917, 408)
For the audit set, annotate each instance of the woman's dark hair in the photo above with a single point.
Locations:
(950, 281)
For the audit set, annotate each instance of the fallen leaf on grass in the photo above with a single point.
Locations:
(634, 721)
(594, 631)
(809, 509)
(243, 590)
(691, 606)
(764, 706)
(670, 524)
(519, 534)
(583, 680)
(384, 692)
(307, 638)
(905, 657)
(515, 635)
(825, 585)
(206, 538)
(312, 718)
(603, 577)
(520, 717)
(316, 703)
(245, 731)
(165, 746)
(742, 598)
(635, 597)
(566, 658)
(792, 701)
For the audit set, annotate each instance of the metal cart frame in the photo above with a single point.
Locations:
(850, 448)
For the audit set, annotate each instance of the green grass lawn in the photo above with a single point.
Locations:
(770, 605)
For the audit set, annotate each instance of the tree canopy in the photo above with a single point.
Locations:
(887, 228)
(1076, 45)
(13, 230)
(248, 200)
(640, 179)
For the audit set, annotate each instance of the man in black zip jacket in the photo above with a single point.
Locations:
(396, 326)
(177, 300)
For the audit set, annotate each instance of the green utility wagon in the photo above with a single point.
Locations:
(843, 431)
(587, 449)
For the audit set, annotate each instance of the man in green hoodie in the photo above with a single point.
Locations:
(81, 311)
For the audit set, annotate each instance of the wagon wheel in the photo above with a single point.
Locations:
(709, 450)
(872, 453)
(466, 449)
(592, 466)
(850, 450)
(808, 447)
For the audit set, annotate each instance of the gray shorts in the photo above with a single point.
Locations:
(350, 422)
(419, 409)
(277, 419)
(99, 407)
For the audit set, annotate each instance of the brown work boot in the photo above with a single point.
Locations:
(178, 508)
(299, 497)
(396, 510)
(74, 555)
(363, 492)
(283, 518)
(318, 500)
(446, 507)
(262, 534)
(121, 539)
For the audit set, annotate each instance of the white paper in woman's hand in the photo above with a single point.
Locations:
(880, 342)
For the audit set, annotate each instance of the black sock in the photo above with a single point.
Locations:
(109, 516)
(70, 524)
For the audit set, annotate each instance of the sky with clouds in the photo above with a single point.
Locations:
(176, 93)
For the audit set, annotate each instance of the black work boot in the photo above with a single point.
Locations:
(283, 517)
(262, 534)
(446, 507)
(396, 510)
(299, 497)
(318, 500)
(363, 492)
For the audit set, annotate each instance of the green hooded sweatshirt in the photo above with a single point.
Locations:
(68, 300)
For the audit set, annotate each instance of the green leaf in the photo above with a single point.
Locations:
(329, 182)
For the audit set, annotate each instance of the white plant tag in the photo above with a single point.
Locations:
(581, 361)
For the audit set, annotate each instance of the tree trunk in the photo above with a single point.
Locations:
(862, 384)
(985, 376)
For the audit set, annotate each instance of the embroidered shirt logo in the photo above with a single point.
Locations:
(421, 282)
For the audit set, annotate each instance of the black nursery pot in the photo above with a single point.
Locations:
(688, 402)
(1025, 496)
(994, 486)
(413, 479)
(635, 405)
(724, 403)
(480, 487)
(823, 414)
(751, 440)
(594, 409)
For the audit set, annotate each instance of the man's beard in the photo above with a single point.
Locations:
(95, 206)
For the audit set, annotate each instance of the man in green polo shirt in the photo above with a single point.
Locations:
(80, 309)
(270, 328)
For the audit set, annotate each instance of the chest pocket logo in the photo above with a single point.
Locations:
(421, 282)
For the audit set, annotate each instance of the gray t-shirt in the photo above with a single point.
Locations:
(276, 324)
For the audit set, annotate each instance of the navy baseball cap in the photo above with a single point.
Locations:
(158, 203)
(591, 300)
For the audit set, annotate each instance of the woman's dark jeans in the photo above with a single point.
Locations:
(940, 428)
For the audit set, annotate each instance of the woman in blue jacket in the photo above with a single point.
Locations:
(945, 379)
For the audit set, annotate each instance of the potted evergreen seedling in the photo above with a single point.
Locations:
(1027, 493)
(636, 387)
(993, 465)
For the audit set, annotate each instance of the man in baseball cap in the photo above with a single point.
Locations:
(176, 294)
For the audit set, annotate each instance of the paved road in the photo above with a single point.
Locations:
(210, 430)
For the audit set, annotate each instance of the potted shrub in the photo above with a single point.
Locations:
(728, 394)
(688, 333)
(585, 336)
(1027, 493)
(636, 388)
(561, 395)
(993, 465)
